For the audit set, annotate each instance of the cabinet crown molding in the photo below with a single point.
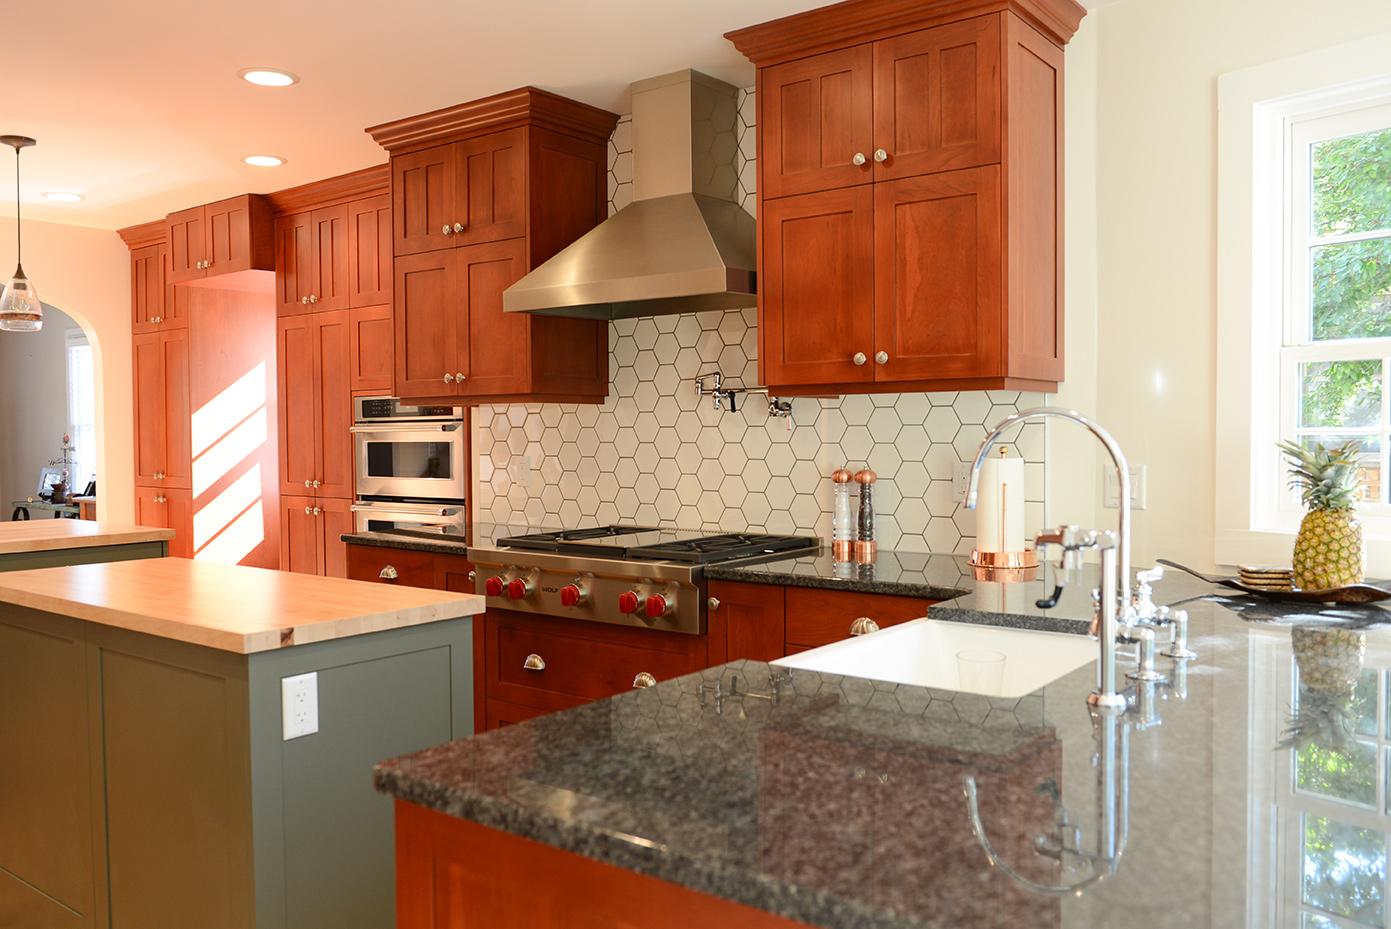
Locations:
(855, 21)
(143, 235)
(356, 185)
(527, 105)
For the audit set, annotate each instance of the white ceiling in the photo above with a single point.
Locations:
(138, 106)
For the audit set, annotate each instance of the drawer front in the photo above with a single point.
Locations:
(410, 569)
(819, 617)
(555, 664)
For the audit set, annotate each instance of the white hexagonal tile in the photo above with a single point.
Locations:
(912, 515)
(972, 406)
(688, 331)
(756, 475)
(808, 479)
(942, 398)
(780, 460)
(967, 441)
(941, 535)
(688, 457)
(780, 492)
(710, 474)
(755, 509)
(626, 502)
(627, 473)
(688, 517)
(711, 506)
(732, 490)
(667, 473)
(589, 471)
(884, 460)
(688, 489)
(941, 461)
(805, 512)
(941, 424)
(647, 488)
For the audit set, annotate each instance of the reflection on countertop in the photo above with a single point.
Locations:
(841, 803)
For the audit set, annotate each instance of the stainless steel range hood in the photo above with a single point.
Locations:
(684, 244)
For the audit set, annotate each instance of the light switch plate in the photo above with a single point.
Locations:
(299, 704)
(1138, 493)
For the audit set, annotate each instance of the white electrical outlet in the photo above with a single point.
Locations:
(1138, 494)
(299, 704)
(960, 477)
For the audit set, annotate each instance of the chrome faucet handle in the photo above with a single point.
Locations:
(1142, 607)
(1178, 638)
(1145, 669)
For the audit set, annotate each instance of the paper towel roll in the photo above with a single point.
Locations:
(1000, 506)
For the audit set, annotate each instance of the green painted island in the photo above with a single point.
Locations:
(46, 543)
(146, 781)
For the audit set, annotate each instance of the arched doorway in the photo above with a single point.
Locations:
(47, 393)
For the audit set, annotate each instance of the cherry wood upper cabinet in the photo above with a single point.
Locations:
(147, 287)
(330, 277)
(370, 348)
(163, 455)
(226, 237)
(818, 263)
(938, 279)
(294, 263)
(817, 125)
(481, 193)
(369, 251)
(937, 99)
(315, 395)
(422, 200)
(962, 287)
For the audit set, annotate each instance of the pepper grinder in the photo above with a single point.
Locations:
(864, 541)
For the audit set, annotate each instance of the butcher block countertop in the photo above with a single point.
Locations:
(228, 607)
(45, 535)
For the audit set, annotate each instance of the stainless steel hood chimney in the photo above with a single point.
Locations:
(683, 245)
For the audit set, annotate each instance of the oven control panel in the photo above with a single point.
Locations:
(652, 603)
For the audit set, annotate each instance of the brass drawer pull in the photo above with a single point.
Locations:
(863, 626)
(389, 573)
(534, 662)
(644, 680)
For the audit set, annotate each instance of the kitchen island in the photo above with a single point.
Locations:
(44, 543)
(759, 796)
(152, 777)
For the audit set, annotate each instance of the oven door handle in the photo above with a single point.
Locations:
(397, 511)
(384, 429)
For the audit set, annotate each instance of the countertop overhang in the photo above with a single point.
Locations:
(45, 535)
(228, 607)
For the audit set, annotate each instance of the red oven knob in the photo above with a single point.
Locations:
(571, 595)
(656, 606)
(518, 589)
(493, 587)
(628, 602)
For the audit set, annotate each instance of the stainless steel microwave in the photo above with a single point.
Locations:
(409, 452)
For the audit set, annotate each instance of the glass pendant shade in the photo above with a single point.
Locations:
(20, 310)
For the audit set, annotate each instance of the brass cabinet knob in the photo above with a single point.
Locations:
(304, 300)
(313, 298)
(534, 662)
(472, 576)
(308, 482)
(881, 358)
(447, 229)
(713, 603)
(880, 155)
(644, 680)
(448, 378)
(459, 378)
(316, 483)
(858, 159)
(859, 358)
(458, 227)
(863, 626)
(389, 573)
(318, 512)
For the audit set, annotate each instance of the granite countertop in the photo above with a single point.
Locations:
(481, 533)
(43, 535)
(903, 574)
(841, 803)
(227, 607)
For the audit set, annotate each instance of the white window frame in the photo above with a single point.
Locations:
(76, 338)
(1260, 111)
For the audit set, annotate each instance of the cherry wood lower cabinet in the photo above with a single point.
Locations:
(764, 621)
(315, 392)
(454, 874)
(163, 457)
(167, 508)
(311, 535)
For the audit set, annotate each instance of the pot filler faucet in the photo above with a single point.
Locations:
(1119, 615)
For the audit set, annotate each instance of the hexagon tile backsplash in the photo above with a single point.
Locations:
(654, 453)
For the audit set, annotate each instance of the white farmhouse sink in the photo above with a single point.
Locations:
(988, 660)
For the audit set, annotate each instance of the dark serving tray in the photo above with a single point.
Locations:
(1354, 593)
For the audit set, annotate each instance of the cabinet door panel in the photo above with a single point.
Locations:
(938, 276)
(422, 200)
(178, 515)
(146, 287)
(369, 350)
(228, 235)
(369, 251)
(495, 348)
(149, 408)
(817, 288)
(300, 536)
(937, 98)
(178, 424)
(335, 518)
(334, 398)
(817, 114)
(411, 569)
(298, 391)
(187, 238)
(175, 298)
(294, 264)
(490, 187)
(149, 511)
(330, 280)
(820, 617)
(427, 302)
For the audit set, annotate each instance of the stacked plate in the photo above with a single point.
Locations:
(1267, 577)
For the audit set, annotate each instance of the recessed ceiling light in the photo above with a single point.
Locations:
(264, 161)
(60, 196)
(268, 77)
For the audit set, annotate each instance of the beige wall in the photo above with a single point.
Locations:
(33, 405)
(1156, 149)
(86, 274)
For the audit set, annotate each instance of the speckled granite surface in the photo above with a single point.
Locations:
(483, 534)
(902, 574)
(840, 803)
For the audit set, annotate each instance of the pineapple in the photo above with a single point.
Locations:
(1330, 662)
(1328, 552)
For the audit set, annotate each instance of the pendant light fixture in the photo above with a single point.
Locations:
(20, 310)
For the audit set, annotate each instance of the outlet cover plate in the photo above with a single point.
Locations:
(299, 703)
(1138, 493)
